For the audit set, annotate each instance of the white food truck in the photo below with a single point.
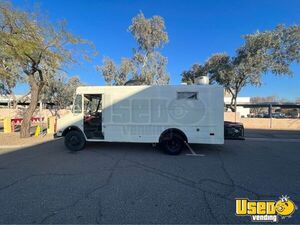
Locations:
(171, 115)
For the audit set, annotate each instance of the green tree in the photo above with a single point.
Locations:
(233, 73)
(146, 64)
(114, 74)
(269, 51)
(190, 76)
(8, 74)
(35, 50)
(60, 91)
(6, 85)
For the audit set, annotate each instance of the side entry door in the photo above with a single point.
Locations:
(93, 116)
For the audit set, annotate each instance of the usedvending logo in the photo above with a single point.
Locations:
(265, 210)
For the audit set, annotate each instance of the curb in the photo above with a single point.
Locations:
(289, 140)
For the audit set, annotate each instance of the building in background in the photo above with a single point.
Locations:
(243, 112)
(14, 101)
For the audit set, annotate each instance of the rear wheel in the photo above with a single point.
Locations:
(172, 144)
(74, 140)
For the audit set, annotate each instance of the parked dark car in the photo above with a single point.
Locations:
(233, 130)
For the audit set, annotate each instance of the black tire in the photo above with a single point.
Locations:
(74, 140)
(171, 143)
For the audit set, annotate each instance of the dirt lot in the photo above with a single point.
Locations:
(136, 183)
(13, 139)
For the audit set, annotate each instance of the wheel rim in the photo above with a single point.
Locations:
(173, 144)
(74, 140)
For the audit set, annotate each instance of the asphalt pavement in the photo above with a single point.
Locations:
(136, 183)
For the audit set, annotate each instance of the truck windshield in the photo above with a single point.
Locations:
(77, 107)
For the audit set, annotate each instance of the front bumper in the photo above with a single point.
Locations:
(58, 134)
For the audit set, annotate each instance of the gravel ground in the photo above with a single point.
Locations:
(14, 139)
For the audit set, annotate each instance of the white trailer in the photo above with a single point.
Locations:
(169, 115)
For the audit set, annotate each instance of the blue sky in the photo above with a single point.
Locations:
(196, 29)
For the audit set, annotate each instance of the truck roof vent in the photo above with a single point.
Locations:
(203, 80)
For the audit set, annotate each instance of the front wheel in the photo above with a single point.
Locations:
(74, 140)
(172, 144)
